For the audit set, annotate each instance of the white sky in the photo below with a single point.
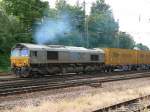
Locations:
(128, 12)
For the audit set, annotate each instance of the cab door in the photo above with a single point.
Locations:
(38, 57)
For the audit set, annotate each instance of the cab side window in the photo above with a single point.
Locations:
(94, 57)
(52, 55)
(34, 53)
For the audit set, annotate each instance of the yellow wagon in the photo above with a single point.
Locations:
(116, 56)
(143, 57)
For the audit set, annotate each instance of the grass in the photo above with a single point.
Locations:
(5, 69)
(83, 103)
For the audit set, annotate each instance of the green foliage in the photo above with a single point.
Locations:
(124, 40)
(28, 11)
(140, 46)
(4, 62)
(102, 26)
(75, 16)
(9, 27)
(100, 7)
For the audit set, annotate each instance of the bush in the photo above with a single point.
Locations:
(4, 62)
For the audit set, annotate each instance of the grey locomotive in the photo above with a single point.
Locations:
(31, 59)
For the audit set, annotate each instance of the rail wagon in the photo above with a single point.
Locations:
(30, 59)
(120, 58)
(143, 59)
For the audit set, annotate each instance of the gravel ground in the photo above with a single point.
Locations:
(6, 75)
(77, 99)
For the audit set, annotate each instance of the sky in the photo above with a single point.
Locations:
(133, 16)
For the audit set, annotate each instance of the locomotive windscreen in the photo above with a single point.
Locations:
(15, 52)
(19, 52)
(24, 52)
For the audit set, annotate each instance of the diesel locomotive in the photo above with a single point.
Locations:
(28, 60)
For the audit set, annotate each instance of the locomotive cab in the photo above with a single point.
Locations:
(20, 60)
(20, 57)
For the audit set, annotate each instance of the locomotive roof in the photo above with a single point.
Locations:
(55, 47)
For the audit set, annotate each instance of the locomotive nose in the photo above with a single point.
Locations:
(20, 61)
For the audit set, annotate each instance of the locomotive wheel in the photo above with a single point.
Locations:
(64, 71)
(25, 73)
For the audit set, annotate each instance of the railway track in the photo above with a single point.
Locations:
(134, 105)
(4, 74)
(74, 76)
(25, 86)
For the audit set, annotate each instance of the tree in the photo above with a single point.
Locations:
(74, 17)
(100, 6)
(27, 11)
(140, 46)
(102, 26)
(124, 40)
(17, 20)
(75, 14)
(9, 27)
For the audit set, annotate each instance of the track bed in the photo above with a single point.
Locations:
(20, 86)
(83, 98)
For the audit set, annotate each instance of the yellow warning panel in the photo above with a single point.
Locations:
(20, 61)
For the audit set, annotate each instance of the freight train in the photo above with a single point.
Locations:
(28, 60)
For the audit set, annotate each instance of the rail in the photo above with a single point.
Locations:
(25, 86)
(132, 105)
